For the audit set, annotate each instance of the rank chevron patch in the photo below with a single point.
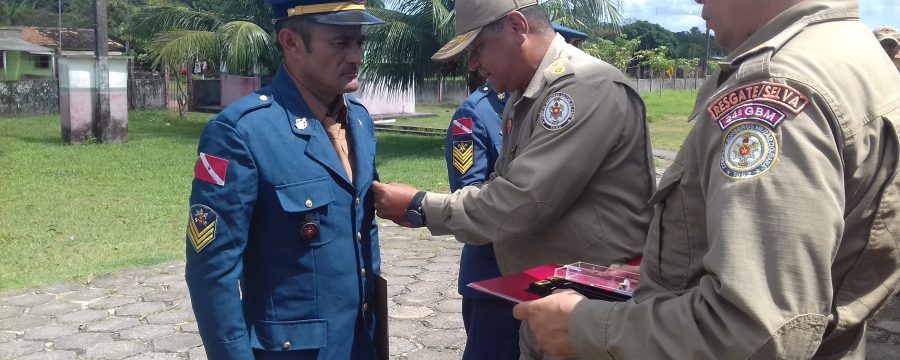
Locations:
(463, 155)
(202, 226)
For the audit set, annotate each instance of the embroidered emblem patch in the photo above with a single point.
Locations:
(752, 111)
(779, 94)
(748, 150)
(558, 112)
(211, 169)
(463, 155)
(462, 126)
(300, 123)
(202, 226)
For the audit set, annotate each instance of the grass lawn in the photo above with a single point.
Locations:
(667, 112)
(74, 211)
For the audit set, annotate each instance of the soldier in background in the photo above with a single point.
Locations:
(889, 38)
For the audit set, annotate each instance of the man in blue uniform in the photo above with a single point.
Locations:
(473, 144)
(282, 246)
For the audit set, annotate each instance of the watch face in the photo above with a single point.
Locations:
(414, 217)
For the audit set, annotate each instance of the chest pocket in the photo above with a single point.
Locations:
(307, 202)
(667, 252)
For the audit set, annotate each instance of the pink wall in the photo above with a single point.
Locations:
(235, 87)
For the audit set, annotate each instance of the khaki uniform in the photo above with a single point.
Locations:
(775, 232)
(571, 184)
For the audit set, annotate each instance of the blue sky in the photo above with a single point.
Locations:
(681, 15)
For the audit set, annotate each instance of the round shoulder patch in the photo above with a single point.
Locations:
(748, 150)
(558, 111)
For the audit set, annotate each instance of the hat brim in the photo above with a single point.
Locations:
(455, 46)
(347, 17)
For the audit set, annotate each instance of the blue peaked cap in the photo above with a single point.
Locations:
(569, 33)
(350, 12)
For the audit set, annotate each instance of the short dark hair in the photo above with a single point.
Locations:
(534, 14)
(299, 25)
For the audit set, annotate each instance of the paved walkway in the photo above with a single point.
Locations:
(146, 313)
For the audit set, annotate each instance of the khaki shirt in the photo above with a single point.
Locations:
(775, 232)
(571, 186)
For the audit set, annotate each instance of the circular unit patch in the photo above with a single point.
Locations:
(558, 112)
(748, 150)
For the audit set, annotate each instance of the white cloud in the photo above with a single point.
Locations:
(681, 15)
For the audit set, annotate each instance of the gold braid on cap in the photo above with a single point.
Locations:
(323, 8)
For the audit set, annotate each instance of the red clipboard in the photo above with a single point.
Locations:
(512, 287)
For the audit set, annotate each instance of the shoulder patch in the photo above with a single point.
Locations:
(463, 155)
(784, 96)
(558, 111)
(201, 226)
(748, 150)
(752, 111)
(462, 126)
(211, 169)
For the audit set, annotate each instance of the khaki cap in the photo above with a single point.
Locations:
(887, 33)
(471, 17)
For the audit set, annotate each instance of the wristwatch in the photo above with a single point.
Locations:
(415, 215)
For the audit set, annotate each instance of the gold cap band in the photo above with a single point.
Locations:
(323, 8)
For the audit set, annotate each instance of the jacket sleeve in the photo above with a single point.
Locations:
(467, 154)
(549, 172)
(214, 269)
(766, 288)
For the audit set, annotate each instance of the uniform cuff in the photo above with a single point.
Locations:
(588, 328)
(433, 206)
(235, 349)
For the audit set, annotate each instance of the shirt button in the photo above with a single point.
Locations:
(358, 236)
(265, 98)
(286, 345)
(365, 307)
(362, 272)
(308, 203)
(357, 201)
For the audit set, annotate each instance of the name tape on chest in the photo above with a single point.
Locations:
(463, 155)
(755, 102)
(558, 111)
(202, 226)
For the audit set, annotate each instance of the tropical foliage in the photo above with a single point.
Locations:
(234, 35)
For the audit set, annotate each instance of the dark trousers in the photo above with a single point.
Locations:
(492, 331)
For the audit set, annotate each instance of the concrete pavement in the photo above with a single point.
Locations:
(146, 313)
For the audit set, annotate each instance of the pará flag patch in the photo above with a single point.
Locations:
(463, 155)
(462, 126)
(211, 169)
(202, 226)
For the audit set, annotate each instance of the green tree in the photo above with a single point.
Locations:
(233, 33)
(620, 52)
(593, 17)
(652, 35)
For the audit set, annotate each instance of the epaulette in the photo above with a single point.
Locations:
(557, 69)
(247, 104)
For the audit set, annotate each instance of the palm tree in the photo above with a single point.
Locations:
(233, 33)
(399, 54)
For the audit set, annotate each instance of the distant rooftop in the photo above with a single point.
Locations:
(72, 38)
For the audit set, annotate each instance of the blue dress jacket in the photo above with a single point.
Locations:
(281, 246)
(483, 109)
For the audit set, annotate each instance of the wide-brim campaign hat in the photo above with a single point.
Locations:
(332, 12)
(471, 17)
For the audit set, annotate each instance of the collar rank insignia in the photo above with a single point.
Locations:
(463, 155)
(558, 112)
(557, 68)
(501, 96)
(748, 150)
(202, 226)
(754, 102)
(300, 123)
